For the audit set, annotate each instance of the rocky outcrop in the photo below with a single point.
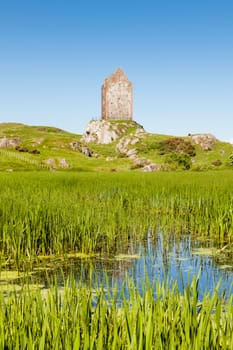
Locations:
(77, 146)
(105, 132)
(141, 162)
(57, 163)
(9, 143)
(101, 132)
(124, 147)
(205, 141)
(151, 167)
(50, 162)
(86, 151)
(124, 144)
(63, 163)
(110, 159)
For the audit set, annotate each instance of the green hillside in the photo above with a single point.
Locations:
(42, 147)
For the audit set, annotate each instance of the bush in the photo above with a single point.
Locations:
(177, 145)
(231, 159)
(21, 149)
(182, 161)
(217, 162)
(24, 149)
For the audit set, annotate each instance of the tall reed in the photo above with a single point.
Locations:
(54, 213)
(79, 317)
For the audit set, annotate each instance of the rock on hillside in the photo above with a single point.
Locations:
(105, 132)
(127, 134)
(205, 141)
(5, 142)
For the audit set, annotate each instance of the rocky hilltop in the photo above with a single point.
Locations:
(105, 132)
(125, 134)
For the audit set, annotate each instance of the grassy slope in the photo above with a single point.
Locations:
(203, 159)
(54, 143)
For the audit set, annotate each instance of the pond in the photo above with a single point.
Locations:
(162, 257)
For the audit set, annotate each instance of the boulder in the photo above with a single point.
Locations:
(151, 167)
(57, 163)
(131, 153)
(110, 159)
(205, 141)
(51, 162)
(141, 162)
(63, 163)
(101, 132)
(9, 143)
(75, 145)
(86, 151)
(123, 144)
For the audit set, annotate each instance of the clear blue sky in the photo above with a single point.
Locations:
(55, 55)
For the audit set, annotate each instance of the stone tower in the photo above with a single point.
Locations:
(117, 97)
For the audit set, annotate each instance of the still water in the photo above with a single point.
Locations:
(161, 257)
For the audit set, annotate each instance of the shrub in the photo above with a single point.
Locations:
(217, 162)
(231, 159)
(136, 166)
(26, 150)
(177, 145)
(182, 160)
(21, 149)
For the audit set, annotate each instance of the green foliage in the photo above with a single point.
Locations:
(148, 145)
(178, 152)
(55, 213)
(44, 213)
(40, 144)
(182, 160)
(231, 159)
(176, 145)
(217, 162)
(68, 319)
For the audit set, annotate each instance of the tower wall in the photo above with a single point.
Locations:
(117, 97)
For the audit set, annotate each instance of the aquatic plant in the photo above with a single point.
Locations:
(80, 317)
(58, 213)
(49, 214)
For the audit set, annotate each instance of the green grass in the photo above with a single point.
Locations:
(55, 213)
(83, 317)
(204, 160)
(54, 143)
(51, 142)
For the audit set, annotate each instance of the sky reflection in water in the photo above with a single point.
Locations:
(175, 258)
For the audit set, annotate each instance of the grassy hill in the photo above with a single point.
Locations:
(40, 147)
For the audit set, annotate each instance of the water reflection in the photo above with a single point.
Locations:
(174, 258)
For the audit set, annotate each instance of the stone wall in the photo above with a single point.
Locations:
(117, 97)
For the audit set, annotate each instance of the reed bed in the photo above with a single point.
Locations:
(44, 213)
(80, 317)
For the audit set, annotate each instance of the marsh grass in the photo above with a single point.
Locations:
(68, 213)
(80, 317)
(46, 217)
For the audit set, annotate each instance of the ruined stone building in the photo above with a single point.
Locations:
(117, 97)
